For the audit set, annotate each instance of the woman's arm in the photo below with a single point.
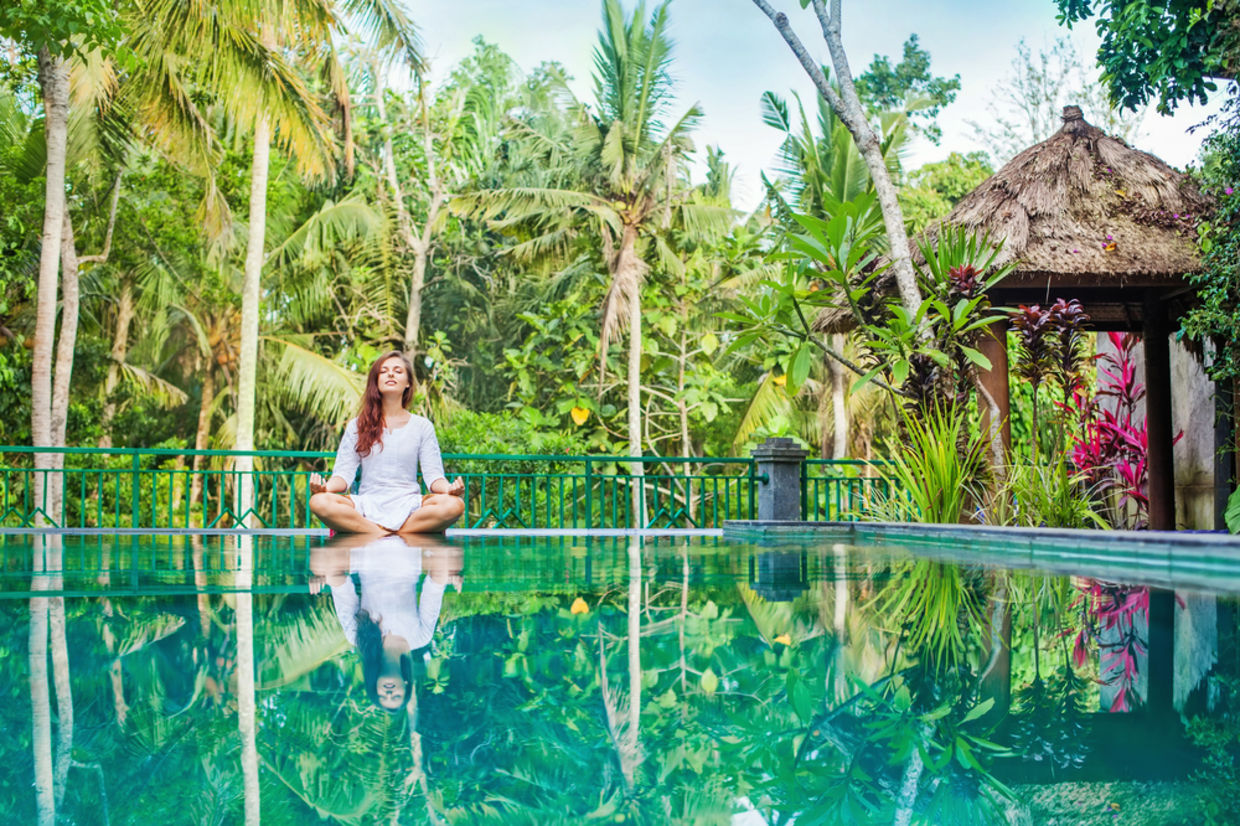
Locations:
(441, 485)
(431, 462)
(333, 485)
(345, 468)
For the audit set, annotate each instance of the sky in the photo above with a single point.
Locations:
(727, 54)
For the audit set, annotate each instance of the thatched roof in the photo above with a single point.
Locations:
(1081, 209)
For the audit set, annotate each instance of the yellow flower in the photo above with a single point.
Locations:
(786, 639)
(579, 606)
(579, 414)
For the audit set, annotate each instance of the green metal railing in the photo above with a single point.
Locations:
(839, 490)
(162, 488)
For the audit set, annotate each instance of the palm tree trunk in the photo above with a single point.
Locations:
(251, 296)
(682, 409)
(246, 706)
(635, 410)
(54, 83)
(200, 438)
(630, 755)
(40, 700)
(120, 349)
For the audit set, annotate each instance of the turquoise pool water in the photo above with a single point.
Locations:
(577, 679)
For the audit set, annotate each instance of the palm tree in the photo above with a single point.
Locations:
(629, 187)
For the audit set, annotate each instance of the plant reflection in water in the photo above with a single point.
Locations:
(662, 682)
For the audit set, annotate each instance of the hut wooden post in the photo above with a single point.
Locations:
(996, 381)
(1161, 466)
(1224, 447)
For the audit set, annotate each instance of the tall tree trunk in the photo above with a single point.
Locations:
(120, 350)
(54, 83)
(60, 672)
(635, 411)
(65, 344)
(413, 318)
(630, 754)
(626, 285)
(40, 699)
(204, 430)
(418, 243)
(246, 705)
(251, 297)
(200, 585)
(847, 106)
(682, 410)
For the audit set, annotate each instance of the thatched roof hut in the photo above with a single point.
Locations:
(1087, 217)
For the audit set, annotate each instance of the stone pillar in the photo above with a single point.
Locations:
(779, 497)
(779, 576)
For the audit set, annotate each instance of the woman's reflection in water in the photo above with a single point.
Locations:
(389, 620)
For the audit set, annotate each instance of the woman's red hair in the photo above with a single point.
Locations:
(370, 418)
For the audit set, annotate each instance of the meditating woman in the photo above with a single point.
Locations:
(389, 443)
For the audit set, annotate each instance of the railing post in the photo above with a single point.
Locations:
(135, 505)
(779, 463)
(589, 494)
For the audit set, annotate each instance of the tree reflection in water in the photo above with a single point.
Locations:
(652, 683)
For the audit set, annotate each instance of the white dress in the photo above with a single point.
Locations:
(389, 570)
(389, 490)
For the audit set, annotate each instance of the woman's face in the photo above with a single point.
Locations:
(393, 378)
(391, 691)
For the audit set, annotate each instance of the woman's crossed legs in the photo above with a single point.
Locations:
(434, 515)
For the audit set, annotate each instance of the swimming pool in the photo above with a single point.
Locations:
(657, 679)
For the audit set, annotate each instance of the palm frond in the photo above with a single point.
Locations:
(305, 642)
(333, 224)
(389, 28)
(774, 110)
(768, 401)
(141, 632)
(167, 394)
(316, 383)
